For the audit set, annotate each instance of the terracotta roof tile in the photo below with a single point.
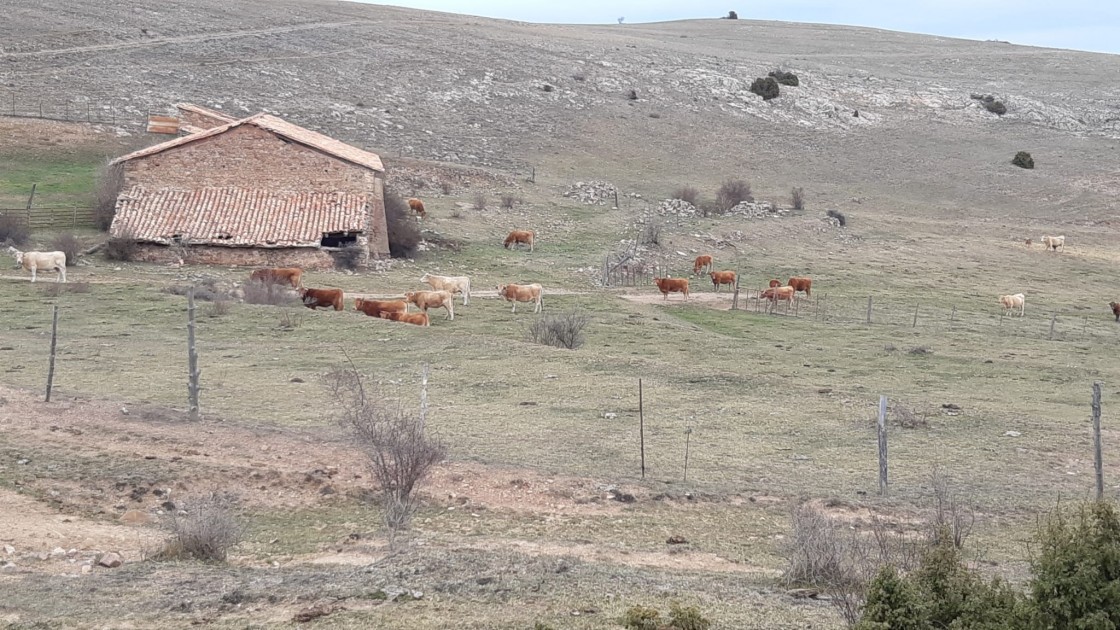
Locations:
(237, 216)
(280, 127)
(205, 111)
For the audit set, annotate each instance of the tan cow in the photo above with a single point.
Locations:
(420, 319)
(451, 284)
(522, 293)
(702, 262)
(519, 236)
(374, 308)
(321, 298)
(779, 294)
(417, 206)
(1052, 243)
(47, 261)
(432, 299)
(279, 275)
(1012, 302)
(672, 285)
(720, 278)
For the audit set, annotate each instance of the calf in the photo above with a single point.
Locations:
(720, 278)
(374, 308)
(47, 261)
(417, 206)
(801, 284)
(451, 284)
(420, 319)
(775, 283)
(672, 285)
(522, 293)
(519, 236)
(432, 299)
(325, 298)
(702, 262)
(278, 275)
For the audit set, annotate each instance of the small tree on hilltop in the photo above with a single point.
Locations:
(766, 87)
(731, 15)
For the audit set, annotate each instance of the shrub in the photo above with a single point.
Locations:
(687, 618)
(733, 192)
(14, 230)
(995, 107)
(560, 330)
(641, 618)
(403, 233)
(122, 248)
(687, 193)
(839, 216)
(349, 257)
(206, 530)
(905, 418)
(1076, 580)
(508, 201)
(270, 293)
(632, 95)
(1023, 159)
(110, 181)
(766, 87)
(797, 198)
(219, 307)
(55, 289)
(68, 244)
(478, 201)
(731, 15)
(651, 233)
(785, 78)
(401, 451)
(892, 604)
(547, 88)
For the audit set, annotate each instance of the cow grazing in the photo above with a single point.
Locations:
(417, 206)
(420, 319)
(672, 285)
(519, 236)
(1115, 306)
(522, 293)
(1052, 243)
(779, 294)
(432, 299)
(701, 263)
(775, 283)
(451, 284)
(47, 261)
(720, 278)
(1012, 302)
(801, 284)
(321, 298)
(278, 275)
(1028, 242)
(374, 308)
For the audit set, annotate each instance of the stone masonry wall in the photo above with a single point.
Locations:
(303, 257)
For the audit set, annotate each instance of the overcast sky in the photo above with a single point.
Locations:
(1078, 24)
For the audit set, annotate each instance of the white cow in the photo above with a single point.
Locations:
(1012, 302)
(451, 284)
(47, 261)
(1054, 242)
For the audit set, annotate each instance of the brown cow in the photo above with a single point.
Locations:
(1115, 306)
(522, 293)
(702, 262)
(374, 308)
(278, 275)
(672, 285)
(432, 299)
(325, 298)
(420, 319)
(775, 283)
(801, 284)
(519, 236)
(720, 278)
(776, 294)
(417, 206)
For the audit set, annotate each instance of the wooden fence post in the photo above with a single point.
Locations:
(735, 298)
(423, 395)
(642, 428)
(869, 310)
(1098, 464)
(883, 445)
(193, 372)
(1053, 318)
(54, 342)
(915, 324)
(687, 436)
(31, 201)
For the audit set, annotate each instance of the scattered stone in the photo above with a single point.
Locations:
(7, 566)
(592, 193)
(110, 560)
(676, 540)
(314, 612)
(58, 552)
(136, 517)
(610, 415)
(86, 569)
(1011, 434)
(296, 379)
(8, 549)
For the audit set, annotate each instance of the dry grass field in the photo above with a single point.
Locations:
(519, 525)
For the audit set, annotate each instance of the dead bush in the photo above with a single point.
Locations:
(797, 198)
(269, 293)
(687, 193)
(733, 192)
(349, 257)
(951, 515)
(110, 181)
(204, 528)
(401, 451)
(478, 201)
(903, 417)
(404, 234)
(508, 201)
(560, 330)
(219, 308)
(839, 216)
(290, 319)
(68, 244)
(122, 248)
(14, 230)
(650, 233)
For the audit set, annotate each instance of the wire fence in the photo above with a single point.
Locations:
(78, 109)
(51, 217)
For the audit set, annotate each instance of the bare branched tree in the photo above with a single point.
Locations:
(205, 528)
(951, 514)
(110, 181)
(401, 450)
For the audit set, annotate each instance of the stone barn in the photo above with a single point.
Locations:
(258, 191)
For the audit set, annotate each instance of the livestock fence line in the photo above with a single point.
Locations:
(51, 217)
(77, 109)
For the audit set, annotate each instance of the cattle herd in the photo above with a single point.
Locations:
(444, 288)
